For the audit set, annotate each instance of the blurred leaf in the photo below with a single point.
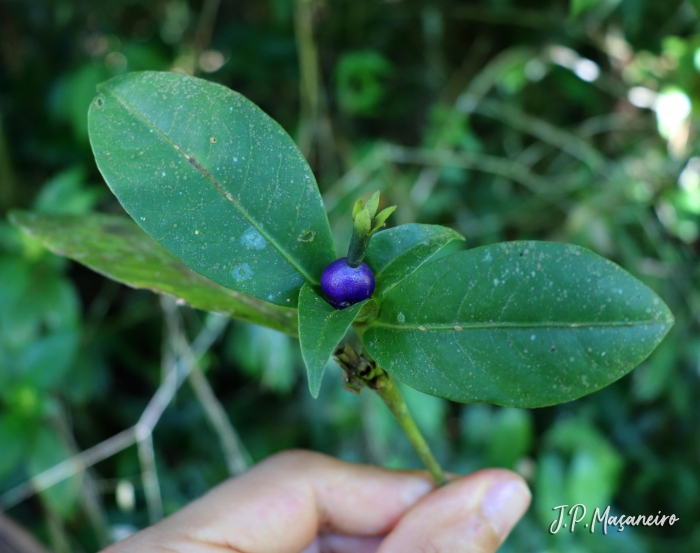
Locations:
(477, 424)
(321, 328)
(89, 377)
(549, 488)
(48, 359)
(13, 437)
(579, 7)
(428, 411)
(510, 438)
(592, 479)
(67, 194)
(47, 451)
(117, 248)
(653, 377)
(214, 180)
(522, 324)
(266, 354)
(144, 57)
(595, 467)
(359, 81)
(396, 253)
(73, 94)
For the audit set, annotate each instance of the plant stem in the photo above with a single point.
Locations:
(358, 247)
(390, 394)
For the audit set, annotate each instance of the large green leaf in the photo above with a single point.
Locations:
(214, 180)
(321, 328)
(395, 253)
(524, 324)
(117, 248)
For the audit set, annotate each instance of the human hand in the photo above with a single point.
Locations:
(305, 502)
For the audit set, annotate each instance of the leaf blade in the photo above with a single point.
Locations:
(214, 180)
(117, 248)
(395, 253)
(521, 324)
(321, 328)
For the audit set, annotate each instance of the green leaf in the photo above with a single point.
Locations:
(117, 248)
(356, 208)
(593, 459)
(47, 361)
(373, 204)
(522, 324)
(395, 253)
(510, 438)
(321, 328)
(67, 193)
(48, 451)
(363, 222)
(213, 179)
(382, 216)
(265, 354)
(13, 437)
(579, 7)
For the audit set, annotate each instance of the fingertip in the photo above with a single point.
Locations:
(505, 502)
(474, 513)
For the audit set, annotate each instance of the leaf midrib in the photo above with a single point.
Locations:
(523, 326)
(407, 251)
(207, 175)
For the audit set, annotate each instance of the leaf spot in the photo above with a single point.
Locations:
(242, 272)
(307, 236)
(253, 240)
(212, 140)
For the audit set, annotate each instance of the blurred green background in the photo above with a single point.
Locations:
(503, 119)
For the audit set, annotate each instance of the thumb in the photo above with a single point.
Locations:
(473, 514)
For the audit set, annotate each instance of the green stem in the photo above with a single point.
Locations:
(358, 247)
(390, 394)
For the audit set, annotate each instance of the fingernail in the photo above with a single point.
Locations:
(415, 490)
(504, 503)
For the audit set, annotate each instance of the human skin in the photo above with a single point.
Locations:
(303, 502)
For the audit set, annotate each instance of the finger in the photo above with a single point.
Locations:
(281, 504)
(333, 543)
(473, 514)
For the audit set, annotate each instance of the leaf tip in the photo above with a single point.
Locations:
(315, 386)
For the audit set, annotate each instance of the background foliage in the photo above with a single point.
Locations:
(503, 119)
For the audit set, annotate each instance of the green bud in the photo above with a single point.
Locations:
(381, 218)
(363, 222)
(356, 208)
(373, 204)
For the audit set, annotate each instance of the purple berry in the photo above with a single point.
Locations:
(344, 286)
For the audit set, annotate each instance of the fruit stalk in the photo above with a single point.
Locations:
(358, 247)
(385, 386)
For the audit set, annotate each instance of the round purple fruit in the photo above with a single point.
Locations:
(344, 286)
